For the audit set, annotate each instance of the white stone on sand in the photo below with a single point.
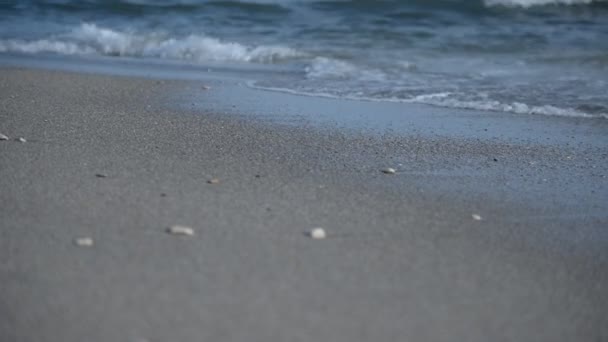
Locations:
(21, 139)
(3, 137)
(84, 242)
(317, 233)
(389, 171)
(476, 217)
(180, 230)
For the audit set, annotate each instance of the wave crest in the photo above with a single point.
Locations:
(531, 3)
(91, 39)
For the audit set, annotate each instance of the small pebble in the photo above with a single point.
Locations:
(476, 217)
(214, 181)
(21, 139)
(205, 87)
(389, 171)
(84, 242)
(180, 230)
(101, 175)
(3, 137)
(318, 233)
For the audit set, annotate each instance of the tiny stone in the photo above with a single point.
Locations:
(214, 181)
(476, 217)
(205, 87)
(318, 233)
(3, 137)
(101, 175)
(389, 171)
(163, 195)
(180, 230)
(21, 139)
(84, 242)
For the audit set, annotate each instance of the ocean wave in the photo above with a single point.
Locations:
(92, 39)
(532, 3)
(278, 7)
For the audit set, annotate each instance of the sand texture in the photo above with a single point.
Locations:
(470, 239)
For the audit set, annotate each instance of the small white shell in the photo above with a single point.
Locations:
(21, 139)
(389, 171)
(84, 242)
(317, 233)
(180, 230)
(214, 181)
(476, 217)
(3, 137)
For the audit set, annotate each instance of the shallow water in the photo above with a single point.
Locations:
(522, 56)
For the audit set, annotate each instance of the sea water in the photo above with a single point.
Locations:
(545, 57)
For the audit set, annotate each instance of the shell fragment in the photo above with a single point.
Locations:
(317, 233)
(84, 242)
(180, 230)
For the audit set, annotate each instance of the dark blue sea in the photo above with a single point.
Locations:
(541, 57)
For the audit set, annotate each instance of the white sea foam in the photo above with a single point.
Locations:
(446, 99)
(530, 3)
(92, 39)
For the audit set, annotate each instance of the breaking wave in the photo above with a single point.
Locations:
(92, 39)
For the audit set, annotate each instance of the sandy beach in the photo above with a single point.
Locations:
(493, 227)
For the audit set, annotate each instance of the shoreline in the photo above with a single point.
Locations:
(404, 258)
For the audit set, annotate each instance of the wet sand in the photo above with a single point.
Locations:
(404, 259)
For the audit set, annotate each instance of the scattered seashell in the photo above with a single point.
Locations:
(3, 137)
(21, 139)
(205, 87)
(180, 230)
(83, 242)
(214, 181)
(317, 233)
(476, 217)
(389, 171)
